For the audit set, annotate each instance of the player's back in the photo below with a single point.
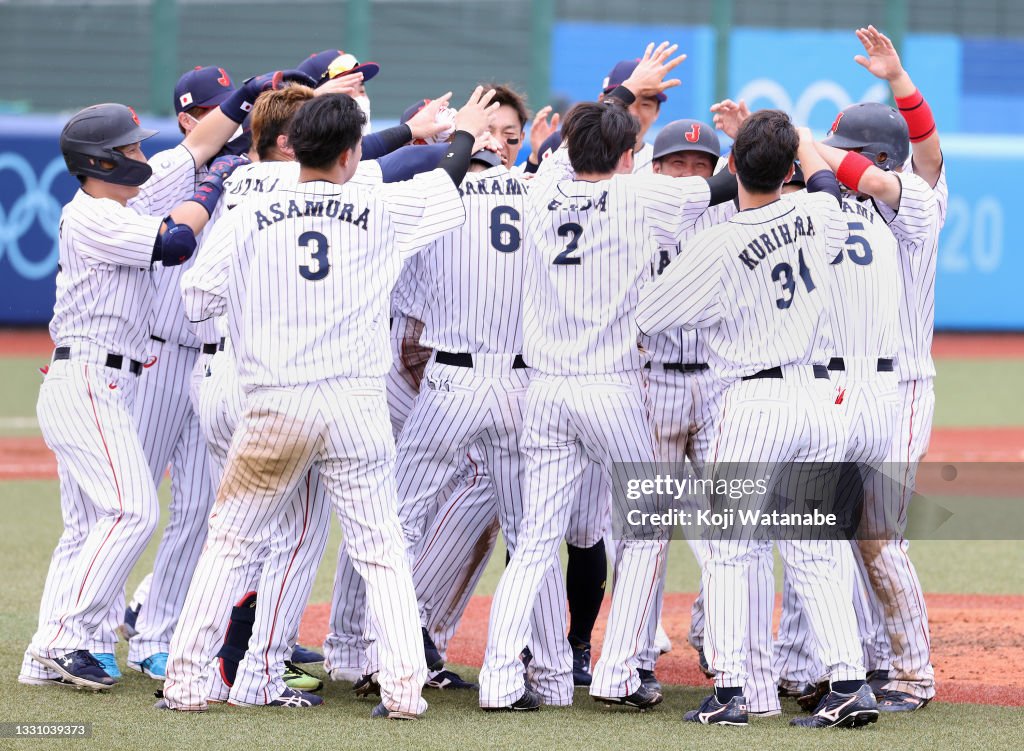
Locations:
(588, 247)
(473, 277)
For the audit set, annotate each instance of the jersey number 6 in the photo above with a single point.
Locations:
(322, 266)
(505, 237)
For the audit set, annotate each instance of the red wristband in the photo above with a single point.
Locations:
(851, 168)
(918, 114)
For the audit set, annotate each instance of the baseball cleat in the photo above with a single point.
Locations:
(530, 701)
(28, 680)
(109, 663)
(838, 710)
(155, 666)
(367, 685)
(383, 713)
(162, 704)
(809, 701)
(643, 698)
(79, 667)
(292, 699)
(898, 701)
(795, 689)
(434, 659)
(705, 668)
(648, 679)
(131, 616)
(581, 675)
(351, 675)
(297, 678)
(305, 655)
(447, 680)
(713, 712)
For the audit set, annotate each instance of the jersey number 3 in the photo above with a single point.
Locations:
(319, 267)
(783, 273)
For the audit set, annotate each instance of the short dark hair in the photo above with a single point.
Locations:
(764, 150)
(506, 95)
(324, 128)
(597, 136)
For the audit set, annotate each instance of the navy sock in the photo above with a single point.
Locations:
(846, 687)
(585, 576)
(725, 694)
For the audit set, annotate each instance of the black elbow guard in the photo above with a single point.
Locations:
(176, 245)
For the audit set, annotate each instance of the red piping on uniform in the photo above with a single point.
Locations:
(451, 507)
(647, 607)
(280, 592)
(120, 505)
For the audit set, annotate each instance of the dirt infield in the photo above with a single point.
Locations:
(976, 643)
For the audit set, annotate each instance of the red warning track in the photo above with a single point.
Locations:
(976, 643)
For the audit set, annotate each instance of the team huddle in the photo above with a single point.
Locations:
(296, 316)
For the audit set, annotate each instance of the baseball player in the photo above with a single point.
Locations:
(101, 326)
(168, 424)
(586, 401)
(758, 284)
(301, 400)
(912, 199)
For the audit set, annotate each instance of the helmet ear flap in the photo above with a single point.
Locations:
(882, 157)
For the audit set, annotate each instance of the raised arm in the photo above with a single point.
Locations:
(883, 62)
(857, 173)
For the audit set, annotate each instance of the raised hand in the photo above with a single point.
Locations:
(882, 60)
(425, 124)
(347, 84)
(730, 115)
(476, 114)
(648, 78)
(541, 129)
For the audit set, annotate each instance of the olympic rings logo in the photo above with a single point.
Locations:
(824, 91)
(36, 202)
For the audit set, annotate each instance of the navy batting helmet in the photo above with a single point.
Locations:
(686, 135)
(877, 130)
(91, 138)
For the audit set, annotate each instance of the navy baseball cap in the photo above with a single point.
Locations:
(412, 109)
(323, 66)
(687, 135)
(550, 145)
(202, 87)
(618, 75)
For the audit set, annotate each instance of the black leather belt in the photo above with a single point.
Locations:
(156, 338)
(211, 348)
(685, 367)
(820, 371)
(885, 364)
(465, 360)
(113, 361)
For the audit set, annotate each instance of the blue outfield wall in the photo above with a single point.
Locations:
(811, 74)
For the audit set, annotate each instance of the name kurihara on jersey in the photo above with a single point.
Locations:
(758, 283)
(473, 277)
(865, 285)
(588, 248)
(305, 274)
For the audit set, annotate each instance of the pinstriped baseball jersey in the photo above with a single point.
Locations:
(864, 292)
(474, 283)
(104, 284)
(759, 283)
(680, 345)
(581, 282)
(916, 225)
(558, 162)
(258, 178)
(324, 257)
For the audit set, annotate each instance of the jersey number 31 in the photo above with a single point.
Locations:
(783, 274)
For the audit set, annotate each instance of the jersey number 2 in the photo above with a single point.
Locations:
(566, 257)
(783, 273)
(319, 270)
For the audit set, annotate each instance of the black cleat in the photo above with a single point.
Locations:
(713, 712)
(79, 667)
(643, 698)
(530, 701)
(581, 675)
(648, 679)
(431, 652)
(838, 710)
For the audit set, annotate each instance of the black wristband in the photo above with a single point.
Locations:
(722, 186)
(620, 95)
(823, 181)
(530, 167)
(456, 160)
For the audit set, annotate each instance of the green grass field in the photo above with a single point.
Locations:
(970, 393)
